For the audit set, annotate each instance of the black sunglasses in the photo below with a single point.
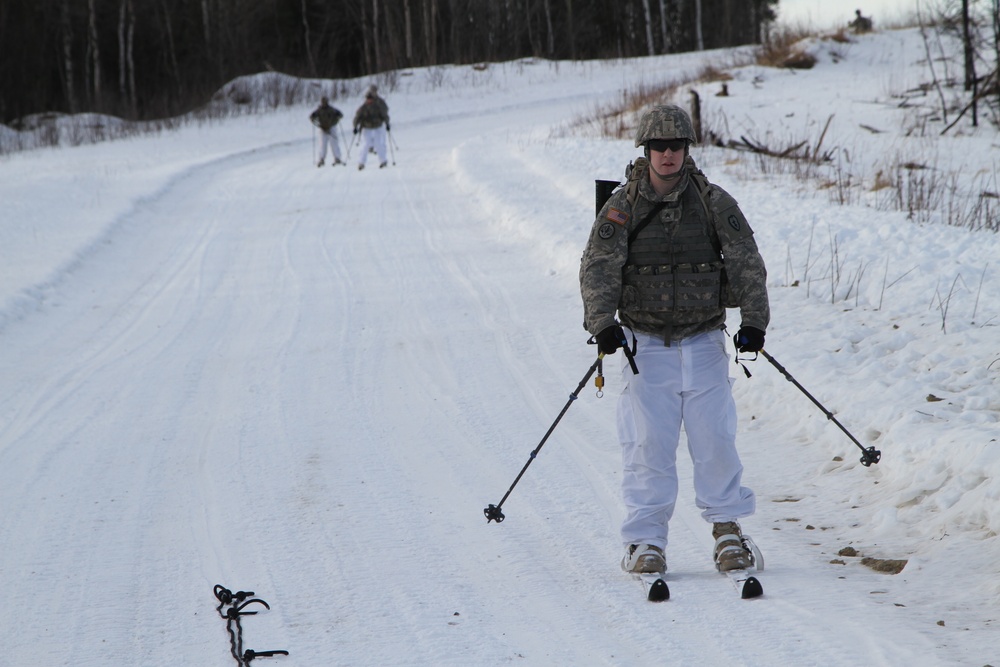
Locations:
(661, 145)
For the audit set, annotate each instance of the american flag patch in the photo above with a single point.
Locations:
(614, 215)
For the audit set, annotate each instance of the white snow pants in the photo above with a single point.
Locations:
(372, 138)
(685, 384)
(329, 138)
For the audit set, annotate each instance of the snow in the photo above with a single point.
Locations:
(222, 365)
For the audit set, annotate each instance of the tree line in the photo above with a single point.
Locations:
(145, 59)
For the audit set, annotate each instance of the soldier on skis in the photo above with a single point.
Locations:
(667, 254)
(326, 117)
(372, 121)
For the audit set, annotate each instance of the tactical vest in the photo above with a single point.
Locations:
(371, 115)
(674, 268)
(327, 117)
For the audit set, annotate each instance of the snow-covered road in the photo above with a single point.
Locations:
(309, 382)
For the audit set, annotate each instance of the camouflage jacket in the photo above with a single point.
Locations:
(372, 113)
(325, 117)
(674, 277)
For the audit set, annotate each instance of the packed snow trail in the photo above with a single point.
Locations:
(308, 383)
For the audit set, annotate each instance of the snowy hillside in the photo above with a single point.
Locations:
(222, 365)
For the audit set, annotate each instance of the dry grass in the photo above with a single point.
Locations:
(784, 49)
(713, 73)
(925, 195)
(617, 120)
(881, 182)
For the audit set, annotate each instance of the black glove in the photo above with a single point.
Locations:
(355, 130)
(610, 339)
(387, 128)
(749, 339)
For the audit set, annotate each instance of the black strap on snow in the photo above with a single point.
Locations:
(231, 607)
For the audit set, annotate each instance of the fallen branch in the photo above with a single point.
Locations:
(984, 92)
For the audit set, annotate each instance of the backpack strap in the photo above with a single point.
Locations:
(645, 221)
(633, 175)
(701, 187)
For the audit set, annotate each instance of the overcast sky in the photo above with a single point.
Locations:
(831, 13)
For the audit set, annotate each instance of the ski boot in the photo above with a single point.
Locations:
(733, 549)
(640, 558)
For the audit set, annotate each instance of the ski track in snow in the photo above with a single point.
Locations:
(301, 382)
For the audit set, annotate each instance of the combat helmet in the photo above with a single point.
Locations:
(664, 121)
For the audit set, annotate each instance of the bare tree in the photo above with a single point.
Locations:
(699, 36)
(408, 31)
(122, 80)
(970, 61)
(67, 43)
(126, 61)
(550, 51)
(651, 49)
(570, 29)
(664, 35)
(94, 49)
(306, 37)
(430, 31)
(206, 25)
(175, 69)
(996, 49)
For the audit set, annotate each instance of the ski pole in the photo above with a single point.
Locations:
(392, 152)
(493, 512)
(350, 146)
(868, 456)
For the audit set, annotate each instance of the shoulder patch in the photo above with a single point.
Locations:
(734, 222)
(616, 216)
(606, 231)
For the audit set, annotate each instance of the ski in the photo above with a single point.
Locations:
(746, 584)
(654, 585)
